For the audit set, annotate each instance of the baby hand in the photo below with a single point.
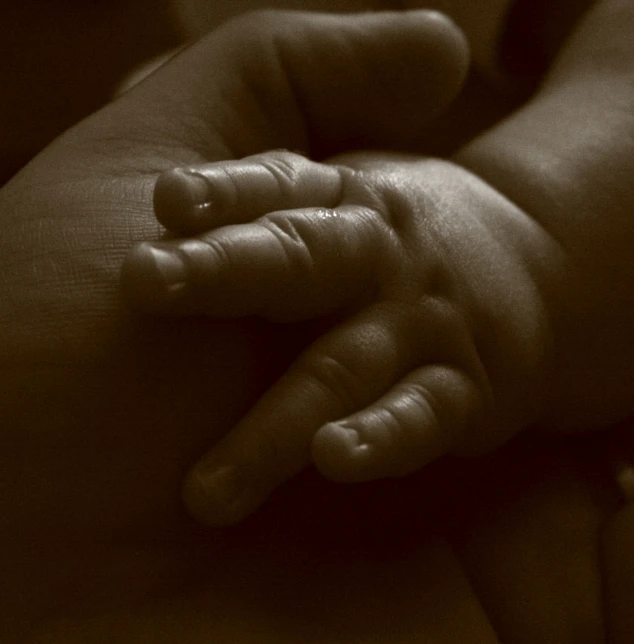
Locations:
(442, 348)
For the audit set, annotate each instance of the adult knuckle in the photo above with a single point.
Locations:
(259, 29)
(256, 22)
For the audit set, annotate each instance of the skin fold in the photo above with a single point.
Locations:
(445, 353)
(486, 285)
(99, 545)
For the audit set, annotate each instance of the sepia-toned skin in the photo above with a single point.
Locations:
(90, 197)
(445, 344)
(103, 414)
(471, 313)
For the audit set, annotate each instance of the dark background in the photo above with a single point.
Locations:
(61, 59)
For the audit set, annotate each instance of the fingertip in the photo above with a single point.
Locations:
(151, 276)
(437, 32)
(454, 45)
(449, 28)
(181, 200)
(431, 54)
(341, 454)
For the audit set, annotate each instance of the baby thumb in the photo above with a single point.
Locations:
(318, 83)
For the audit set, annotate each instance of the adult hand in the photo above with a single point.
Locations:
(102, 414)
(84, 387)
(108, 553)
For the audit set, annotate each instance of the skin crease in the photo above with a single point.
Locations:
(65, 316)
(519, 351)
(93, 515)
(96, 554)
(435, 297)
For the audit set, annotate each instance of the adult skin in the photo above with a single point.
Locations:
(102, 414)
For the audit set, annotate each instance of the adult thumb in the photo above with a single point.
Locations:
(317, 83)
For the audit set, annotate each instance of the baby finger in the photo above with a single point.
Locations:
(289, 265)
(421, 418)
(198, 198)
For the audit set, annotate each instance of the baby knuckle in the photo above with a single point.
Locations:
(285, 158)
(292, 242)
(392, 420)
(403, 210)
(350, 177)
(380, 234)
(362, 186)
(421, 405)
(216, 249)
(332, 376)
(284, 167)
(404, 435)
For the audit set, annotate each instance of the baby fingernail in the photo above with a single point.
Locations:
(341, 452)
(352, 439)
(197, 188)
(171, 268)
(337, 440)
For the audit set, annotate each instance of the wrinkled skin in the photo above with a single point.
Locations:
(104, 381)
(481, 312)
(445, 338)
(102, 415)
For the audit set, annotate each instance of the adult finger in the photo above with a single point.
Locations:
(313, 82)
